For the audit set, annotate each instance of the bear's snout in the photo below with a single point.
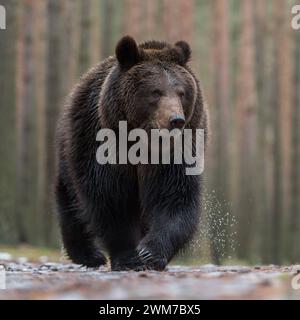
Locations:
(177, 121)
(170, 114)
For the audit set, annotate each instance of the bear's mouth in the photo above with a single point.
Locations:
(179, 124)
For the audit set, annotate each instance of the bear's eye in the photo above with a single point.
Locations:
(180, 94)
(156, 93)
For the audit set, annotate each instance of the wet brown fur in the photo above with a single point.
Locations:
(129, 209)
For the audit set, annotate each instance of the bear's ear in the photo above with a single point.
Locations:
(185, 51)
(127, 53)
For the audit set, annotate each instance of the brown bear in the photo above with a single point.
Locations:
(141, 215)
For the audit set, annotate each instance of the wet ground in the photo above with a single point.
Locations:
(69, 281)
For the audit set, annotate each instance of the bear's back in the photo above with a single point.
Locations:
(81, 107)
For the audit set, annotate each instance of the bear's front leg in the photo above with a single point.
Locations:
(171, 208)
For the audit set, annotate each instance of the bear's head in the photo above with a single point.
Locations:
(150, 86)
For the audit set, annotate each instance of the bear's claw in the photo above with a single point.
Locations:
(127, 261)
(94, 261)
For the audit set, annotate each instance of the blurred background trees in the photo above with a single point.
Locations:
(248, 59)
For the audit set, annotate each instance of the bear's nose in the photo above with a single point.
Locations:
(177, 121)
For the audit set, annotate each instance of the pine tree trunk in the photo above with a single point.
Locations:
(85, 36)
(133, 20)
(282, 108)
(265, 159)
(220, 56)
(246, 109)
(26, 160)
(170, 18)
(294, 223)
(150, 8)
(39, 52)
(54, 98)
(9, 219)
(107, 16)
